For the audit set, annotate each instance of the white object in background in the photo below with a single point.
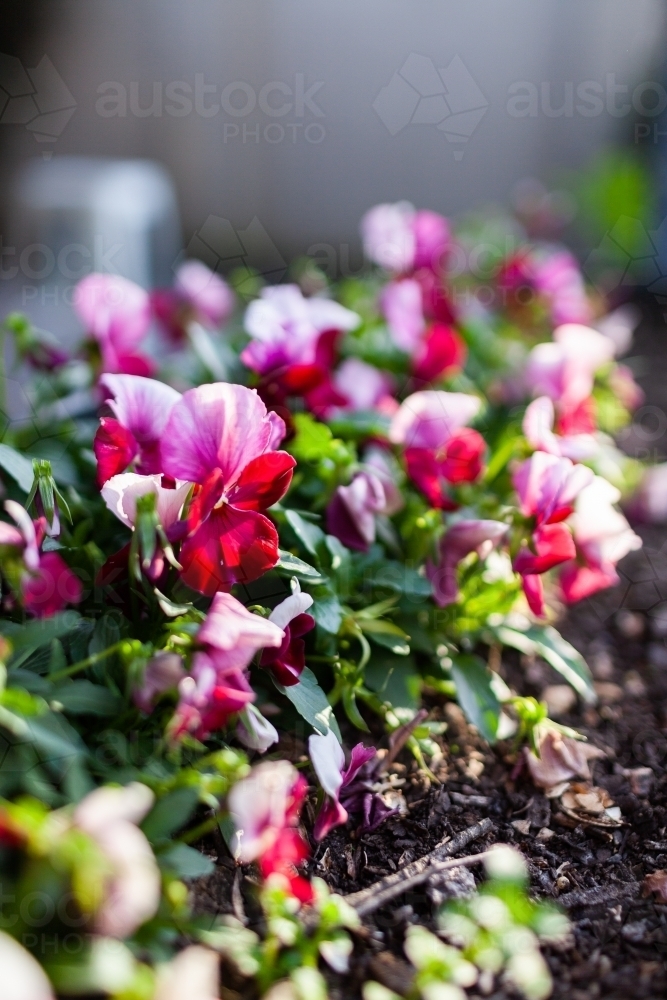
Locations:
(90, 214)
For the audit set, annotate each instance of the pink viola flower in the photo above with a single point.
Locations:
(222, 438)
(561, 758)
(364, 387)
(347, 790)
(285, 328)
(442, 353)
(131, 893)
(565, 369)
(432, 240)
(400, 239)
(548, 487)
(217, 686)
(140, 407)
(265, 809)
(43, 581)
(163, 673)
(199, 295)
(460, 540)
(439, 449)
(117, 314)
(286, 662)
(602, 537)
(22, 976)
(402, 307)
(353, 509)
(538, 424)
(553, 274)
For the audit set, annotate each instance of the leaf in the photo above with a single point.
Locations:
(326, 610)
(360, 425)
(475, 694)
(386, 634)
(18, 466)
(308, 534)
(394, 679)
(170, 813)
(82, 697)
(547, 642)
(26, 638)
(352, 710)
(170, 609)
(185, 862)
(311, 702)
(311, 440)
(289, 565)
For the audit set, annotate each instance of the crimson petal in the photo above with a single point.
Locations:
(115, 447)
(231, 546)
(263, 482)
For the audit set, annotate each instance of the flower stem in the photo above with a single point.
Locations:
(90, 661)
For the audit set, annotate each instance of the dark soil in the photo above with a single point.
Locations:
(619, 948)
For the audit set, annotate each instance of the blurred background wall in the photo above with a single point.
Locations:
(300, 115)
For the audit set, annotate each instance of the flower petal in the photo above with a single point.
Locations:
(264, 481)
(328, 759)
(231, 546)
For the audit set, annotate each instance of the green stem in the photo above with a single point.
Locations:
(90, 661)
(206, 826)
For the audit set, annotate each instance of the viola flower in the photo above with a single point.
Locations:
(432, 240)
(117, 314)
(402, 307)
(561, 758)
(439, 449)
(163, 672)
(140, 407)
(602, 537)
(254, 731)
(649, 503)
(265, 808)
(460, 540)
(221, 438)
(352, 511)
(346, 789)
(131, 893)
(548, 487)
(22, 976)
(286, 662)
(538, 423)
(217, 686)
(441, 353)
(565, 369)
(400, 239)
(554, 275)
(43, 582)
(364, 387)
(199, 295)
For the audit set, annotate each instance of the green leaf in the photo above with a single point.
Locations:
(289, 565)
(394, 679)
(185, 862)
(326, 610)
(352, 710)
(308, 534)
(547, 642)
(311, 702)
(360, 425)
(311, 440)
(82, 697)
(475, 694)
(25, 638)
(171, 813)
(386, 634)
(18, 466)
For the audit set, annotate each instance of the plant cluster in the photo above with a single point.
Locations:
(239, 513)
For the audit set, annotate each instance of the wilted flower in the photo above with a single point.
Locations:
(199, 295)
(131, 892)
(560, 758)
(22, 976)
(117, 314)
(346, 789)
(602, 537)
(286, 663)
(458, 541)
(265, 810)
(222, 438)
(141, 408)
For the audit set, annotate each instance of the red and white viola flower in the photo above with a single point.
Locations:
(538, 424)
(553, 274)
(460, 539)
(42, 581)
(328, 759)
(131, 893)
(120, 494)
(117, 314)
(199, 295)
(254, 731)
(222, 438)
(548, 487)
(353, 509)
(602, 537)
(439, 448)
(141, 408)
(217, 686)
(265, 809)
(286, 662)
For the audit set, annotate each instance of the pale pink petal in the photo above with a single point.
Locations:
(619, 326)
(428, 419)
(234, 634)
(388, 236)
(142, 405)
(288, 609)
(217, 426)
(402, 306)
(258, 807)
(328, 759)
(22, 976)
(108, 805)
(191, 975)
(27, 530)
(113, 310)
(362, 384)
(254, 731)
(120, 494)
(600, 531)
(538, 425)
(209, 295)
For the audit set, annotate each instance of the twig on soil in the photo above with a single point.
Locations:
(368, 900)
